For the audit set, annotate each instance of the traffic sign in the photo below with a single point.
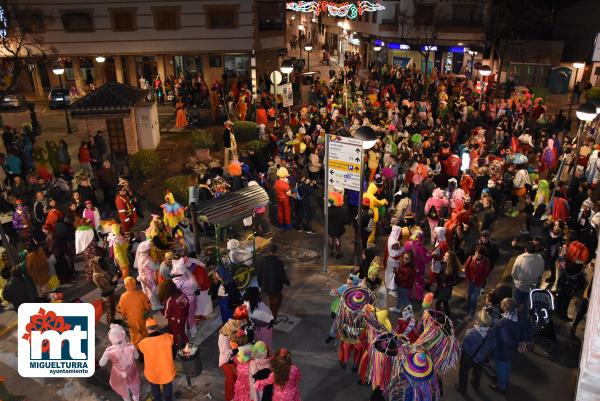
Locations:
(288, 95)
(345, 162)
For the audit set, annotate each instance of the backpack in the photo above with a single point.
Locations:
(433, 213)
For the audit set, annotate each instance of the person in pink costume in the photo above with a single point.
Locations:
(146, 273)
(421, 258)
(124, 375)
(185, 281)
(437, 201)
(241, 389)
(284, 388)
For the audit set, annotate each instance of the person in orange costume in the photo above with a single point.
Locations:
(133, 305)
(159, 365)
(261, 115)
(283, 193)
(126, 209)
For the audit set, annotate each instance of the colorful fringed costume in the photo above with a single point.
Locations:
(173, 212)
(119, 246)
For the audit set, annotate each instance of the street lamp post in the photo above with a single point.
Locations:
(577, 66)
(100, 60)
(59, 71)
(287, 68)
(473, 54)
(308, 49)
(585, 114)
(368, 136)
(484, 71)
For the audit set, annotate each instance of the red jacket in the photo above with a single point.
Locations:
(451, 166)
(476, 271)
(404, 275)
(84, 155)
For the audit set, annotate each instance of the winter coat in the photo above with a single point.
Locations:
(271, 275)
(404, 275)
(337, 221)
(527, 270)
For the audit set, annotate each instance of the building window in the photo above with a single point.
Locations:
(78, 21)
(424, 14)
(123, 19)
(31, 21)
(466, 13)
(167, 18)
(222, 17)
(215, 62)
(271, 16)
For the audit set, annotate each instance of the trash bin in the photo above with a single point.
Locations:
(191, 366)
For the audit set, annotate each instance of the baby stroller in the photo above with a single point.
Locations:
(541, 305)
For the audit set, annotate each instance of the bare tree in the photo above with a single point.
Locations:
(425, 39)
(20, 41)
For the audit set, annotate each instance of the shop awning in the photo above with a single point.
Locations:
(232, 206)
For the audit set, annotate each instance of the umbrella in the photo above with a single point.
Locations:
(519, 158)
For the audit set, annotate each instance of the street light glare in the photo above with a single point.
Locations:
(308, 48)
(286, 67)
(485, 70)
(100, 59)
(58, 70)
(587, 112)
(578, 65)
(376, 48)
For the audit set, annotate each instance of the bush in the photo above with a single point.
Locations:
(145, 163)
(255, 145)
(245, 131)
(593, 93)
(202, 140)
(178, 185)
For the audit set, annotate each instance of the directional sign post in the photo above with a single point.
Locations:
(343, 168)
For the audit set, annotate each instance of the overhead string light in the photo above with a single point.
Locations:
(338, 10)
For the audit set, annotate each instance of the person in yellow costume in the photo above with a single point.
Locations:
(374, 204)
(159, 238)
(173, 212)
(119, 246)
(133, 306)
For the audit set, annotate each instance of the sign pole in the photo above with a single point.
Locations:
(326, 209)
(358, 241)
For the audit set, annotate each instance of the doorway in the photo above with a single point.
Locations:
(117, 143)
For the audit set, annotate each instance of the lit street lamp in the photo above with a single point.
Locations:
(585, 113)
(485, 70)
(286, 68)
(101, 59)
(308, 49)
(472, 53)
(59, 71)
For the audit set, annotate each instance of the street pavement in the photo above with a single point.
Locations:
(303, 327)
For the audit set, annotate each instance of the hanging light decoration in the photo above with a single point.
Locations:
(339, 10)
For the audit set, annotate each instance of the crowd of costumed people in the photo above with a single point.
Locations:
(446, 164)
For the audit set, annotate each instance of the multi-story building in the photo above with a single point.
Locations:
(405, 31)
(123, 40)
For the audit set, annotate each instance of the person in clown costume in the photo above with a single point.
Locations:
(374, 204)
(283, 192)
(159, 237)
(85, 242)
(173, 212)
(119, 246)
(124, 375)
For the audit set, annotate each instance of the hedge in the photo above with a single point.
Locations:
(245, 131)
(178, 185)
(145, 163)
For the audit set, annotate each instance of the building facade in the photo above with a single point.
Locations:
(122, 41)
(405, 31)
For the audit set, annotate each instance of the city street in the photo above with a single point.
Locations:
(306, 304)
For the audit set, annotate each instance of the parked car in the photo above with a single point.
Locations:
(11, 100)
(59, 98)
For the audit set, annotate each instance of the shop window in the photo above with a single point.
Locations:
(424, 14)
(77, 21)
(167, 18)
(466, 13)
(123, 19)
(221, 17)
(31, 21)
(271, 16)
